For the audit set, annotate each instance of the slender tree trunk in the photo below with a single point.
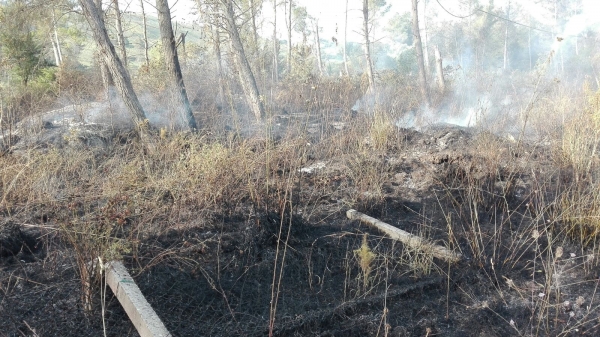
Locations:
(346, 41)
(56, 41)
(181, 41)
(256, 57)
(245, 72)
(425, 39)
(318, 45)
(506, 38)
(55, 51)
(505, 64)
(275, 45)
(254, 28)
(289, 38)
(120, 37)
(145, 27)
(217, 41)
(419, 50)
(117, 70)
(215, 32)
(439, 69)
(556, 28)
(529, 45)
(58, 49)
(172, 61)
(457, 47)
(368, 45)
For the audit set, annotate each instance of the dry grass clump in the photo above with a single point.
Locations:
(581, 136)
(360, 149)
(369, 265)
(101, 235)
(316, 94)
(578, 207)
(105, 202)
(374, 134)
(401, 91)
(368, 175)
(382, 131)
(478, 184)
(185, 171)
(517, 212)
(49, 176)
(365, 257)
(210, 174)
(549, 113)
(486, 173)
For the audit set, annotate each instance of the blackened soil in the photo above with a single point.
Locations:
(259, 273)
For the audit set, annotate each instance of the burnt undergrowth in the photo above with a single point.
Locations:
(230, 234)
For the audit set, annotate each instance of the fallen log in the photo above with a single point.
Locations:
(141, 314)
(405, 237)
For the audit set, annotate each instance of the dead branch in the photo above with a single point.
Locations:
(405, 237)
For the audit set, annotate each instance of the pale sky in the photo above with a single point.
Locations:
(331, 14)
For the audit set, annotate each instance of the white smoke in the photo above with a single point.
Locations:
(588, 19)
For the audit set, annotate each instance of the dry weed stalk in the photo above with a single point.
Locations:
(365, 258)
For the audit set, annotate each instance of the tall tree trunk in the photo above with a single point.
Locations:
(145, 27)
(318, 45)
(115, 66)
(245, 72)
(120, 36)
(419, 50)
(368, 45)
(275, 45)
(346, 41)
(172, 61)
(289, 38)
(107, 79)
(439, 69)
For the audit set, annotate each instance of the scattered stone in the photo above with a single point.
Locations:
(310, 169)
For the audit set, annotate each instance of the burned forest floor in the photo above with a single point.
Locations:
(230, 235)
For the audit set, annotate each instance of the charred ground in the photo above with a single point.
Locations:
(257, 244)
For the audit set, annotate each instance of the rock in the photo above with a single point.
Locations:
(82, 125)
(13, 240)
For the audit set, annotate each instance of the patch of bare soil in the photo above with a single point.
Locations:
(257, 272)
